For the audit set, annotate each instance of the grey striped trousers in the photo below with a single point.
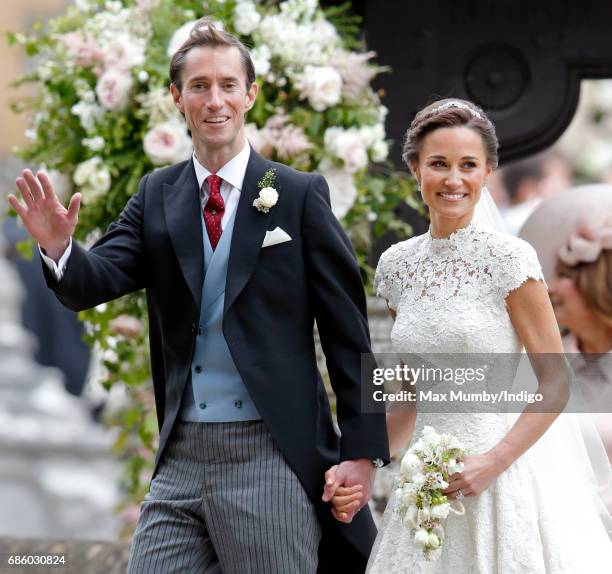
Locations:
(225, 501)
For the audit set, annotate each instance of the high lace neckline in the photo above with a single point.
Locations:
(455, 239)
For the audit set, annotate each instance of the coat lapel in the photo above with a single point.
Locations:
(250, 229)
(182, 209)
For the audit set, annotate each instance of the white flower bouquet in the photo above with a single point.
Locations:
(424, 473)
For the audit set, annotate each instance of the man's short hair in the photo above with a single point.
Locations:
(204, 34)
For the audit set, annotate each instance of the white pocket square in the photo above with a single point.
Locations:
(275, 237)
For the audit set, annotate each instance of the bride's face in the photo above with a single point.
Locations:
(451, 170)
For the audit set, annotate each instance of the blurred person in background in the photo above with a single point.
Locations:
(572, 235)
(528, 182)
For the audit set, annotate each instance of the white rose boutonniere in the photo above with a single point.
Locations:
(268, 196)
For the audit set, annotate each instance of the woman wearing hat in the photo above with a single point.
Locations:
(572, 234)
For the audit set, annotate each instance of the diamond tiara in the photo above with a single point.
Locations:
(459, 105)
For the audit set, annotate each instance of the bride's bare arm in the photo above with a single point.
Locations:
(534, 320)
(400, 426)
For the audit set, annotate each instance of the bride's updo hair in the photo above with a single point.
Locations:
(449, 113)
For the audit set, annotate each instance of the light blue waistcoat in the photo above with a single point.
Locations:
(216, 392)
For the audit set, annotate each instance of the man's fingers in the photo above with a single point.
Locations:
(329, 491)
(33, 185)
(330, 484)
(46, 185)
(17, 206)
(24, 190)
(330, 475)
(74, 205)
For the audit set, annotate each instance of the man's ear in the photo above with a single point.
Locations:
(177, 98)
(251, 95)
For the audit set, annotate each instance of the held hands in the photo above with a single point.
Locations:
(478, 474)
(45, 218)
(348, 486)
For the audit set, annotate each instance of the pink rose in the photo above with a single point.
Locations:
(82, 48)
(113, 89)
(167, 143)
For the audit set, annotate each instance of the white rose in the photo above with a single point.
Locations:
(411, 464)
(261, 59)
(125, 53)
(342, 190)
(93, 178)
(321, 85)
(433, 541)
(167, 143)
(421, 537)
(350, 149)
(113, 89)
(96, 143)
(268, 197)
(372, 134)
(440, 511)
(380, 151)
(246, 17)
(88, 113)
(99, 182)
(348, 146)
(85, 170)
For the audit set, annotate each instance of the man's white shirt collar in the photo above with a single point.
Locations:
(232, 172)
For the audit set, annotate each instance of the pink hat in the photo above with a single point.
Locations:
(574, 224)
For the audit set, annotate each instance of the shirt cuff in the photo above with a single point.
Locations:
(59, 267)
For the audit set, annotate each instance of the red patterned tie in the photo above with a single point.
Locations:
(214, 209)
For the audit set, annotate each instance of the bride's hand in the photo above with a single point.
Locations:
(346, 500)
(478, 474)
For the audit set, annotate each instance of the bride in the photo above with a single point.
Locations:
(463, 288)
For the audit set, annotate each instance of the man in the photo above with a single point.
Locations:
(234, 278)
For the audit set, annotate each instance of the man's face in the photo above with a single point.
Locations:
(214, 98)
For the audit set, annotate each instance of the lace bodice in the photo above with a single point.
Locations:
(461, 283)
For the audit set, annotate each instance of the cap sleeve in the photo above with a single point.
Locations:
(386, 279)
(519, 264)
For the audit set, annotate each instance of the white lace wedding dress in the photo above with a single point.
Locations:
(449, 295)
